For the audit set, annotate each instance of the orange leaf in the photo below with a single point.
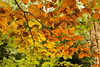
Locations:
(63, 26)
(40, 5)
(87, 45)
(84, 10)
(89, 10)
(33, 1)
(67, 46)
(67, 38)
(86, 49)
(71, 53)
(54, 1)
(79, 46)
(64, 4)
(95, 65)
(96, 15)
(70, 43)
(96, 54)
(97, 9)
(66, 52)
(65, 31)
(60, 46)
(68, 10)
(81, 55)
(78, 37)
(84, 1)
(33, 8)
(93, 3)
(71, 30)
(25, 1)
(71, 3)
(2, 4)
(87, 54)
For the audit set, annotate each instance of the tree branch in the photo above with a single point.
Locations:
(36, 19)
(26, 19)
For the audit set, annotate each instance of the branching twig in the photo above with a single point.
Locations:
(26, 19)
(20, 7)
(36, 19)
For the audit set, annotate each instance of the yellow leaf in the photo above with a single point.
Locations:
(30, 23)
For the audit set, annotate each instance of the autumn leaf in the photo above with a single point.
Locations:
(87, 45)
(33, 8)
(96, 15)
(30, 23)
(78, 37)
(84, 1)
(95, 65)
(97, 9)
(2, 10)
(25, 33)
(33, 1)
(83, 10)
(2, 4)
(86, 49)
(87, 54)
(25, 1)
(71, 30)
(81, 55)
(40, 5)
(96, 54)
(70, 4)
(93, 3)
(60, 46)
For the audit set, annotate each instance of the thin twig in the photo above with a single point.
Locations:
(26, 20)
(36, 19)
(20, 7)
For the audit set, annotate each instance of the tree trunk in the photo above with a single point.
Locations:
(95, 37)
